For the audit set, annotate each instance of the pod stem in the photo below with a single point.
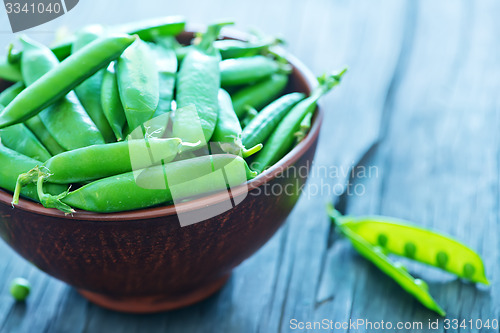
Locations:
(251, 174)
(336, 216)
(187, 146)
(283, 64)
(23, 180)
(211, 35)
(249, 152)
(327, 82)
(12, 56)
(52, 201)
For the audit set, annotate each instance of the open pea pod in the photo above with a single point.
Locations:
(416, 287)
(401, 238)
(374, 236)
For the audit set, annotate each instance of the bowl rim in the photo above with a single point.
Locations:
(211, 199)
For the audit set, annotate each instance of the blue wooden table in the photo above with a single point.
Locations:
(418, 112)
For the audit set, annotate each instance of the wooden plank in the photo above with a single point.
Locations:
(351, 130)
(440, 139)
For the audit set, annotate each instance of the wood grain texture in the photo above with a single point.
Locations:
(420, 104)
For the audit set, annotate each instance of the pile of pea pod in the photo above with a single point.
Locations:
(74, 112)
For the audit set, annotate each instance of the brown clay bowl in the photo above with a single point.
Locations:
(144, 261)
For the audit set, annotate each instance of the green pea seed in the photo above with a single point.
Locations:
(382, 240)
(410, 250)
(469, 270)
(20, 289)
(442, 259)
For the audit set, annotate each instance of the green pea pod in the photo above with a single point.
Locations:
(100, 161)
(10, 72)
(259, 94)
(12, 164)
(305, 126)
(111, 103)
(37, 60)
(66, 120)
(155, 185)
(62, 79)
(21, 139)
(146, 30)
(230, 48)
(180, 50)
(138, 84)
(61, 50)
(415, 287)
(10, 93)
(247, 70)
(259, 129)
(34, 124)
(249, 116)
(88, 91)
(150, 29)
(198, 84)
(228, 129)
(70, 125)
(166, 63)
(282, 139)
(404, 239)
